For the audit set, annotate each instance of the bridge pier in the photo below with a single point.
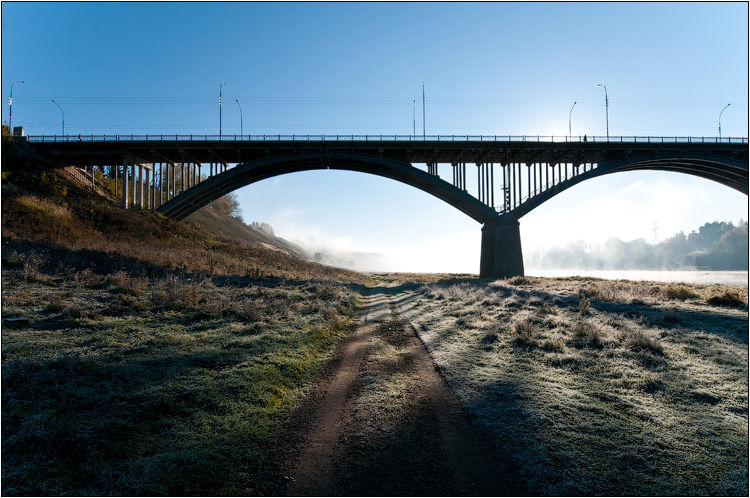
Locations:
(501, 249)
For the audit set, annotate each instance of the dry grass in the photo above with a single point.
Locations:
(159, 360)
(599, 387)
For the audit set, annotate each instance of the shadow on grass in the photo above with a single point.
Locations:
(592, 418)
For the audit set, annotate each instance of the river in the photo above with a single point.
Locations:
(692, 277)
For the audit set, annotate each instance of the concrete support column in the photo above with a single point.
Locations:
(152, 198)
(149, 190)
(125, 194)
(133, 187)
(161, 184)
(140, 186)
(501, 249)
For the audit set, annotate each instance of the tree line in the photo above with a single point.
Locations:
(715, 246)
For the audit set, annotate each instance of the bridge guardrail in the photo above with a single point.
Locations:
(377, 138)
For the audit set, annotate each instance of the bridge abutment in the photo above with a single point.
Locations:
(501, 249)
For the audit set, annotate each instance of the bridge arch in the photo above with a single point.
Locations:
(260, 157)
(247, 173)
(501, 254)
(723, 170)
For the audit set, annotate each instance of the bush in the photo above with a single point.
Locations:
(638, 341)
(680, 292)
(585, 335)
(525, 333)
(731, 299)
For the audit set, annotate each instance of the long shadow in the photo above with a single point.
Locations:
(521, 438)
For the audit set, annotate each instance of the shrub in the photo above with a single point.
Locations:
(584, 306)
(731, 299)
(586, 335)
(521, 280)
(639, 341)
(682, 293)
(489, 339)
(525, 333)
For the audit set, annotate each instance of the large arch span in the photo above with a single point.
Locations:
(501, 244)
(721, 169)
(261, 169)
(515, 174)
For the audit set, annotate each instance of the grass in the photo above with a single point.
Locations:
(159, 359)
(598, 387)
(170, 397)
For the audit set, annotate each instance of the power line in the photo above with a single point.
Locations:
(349, 101)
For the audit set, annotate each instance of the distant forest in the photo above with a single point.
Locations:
(715, 246)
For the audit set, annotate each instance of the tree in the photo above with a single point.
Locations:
(228, 205)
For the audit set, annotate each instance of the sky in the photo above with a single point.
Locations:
(359, 68)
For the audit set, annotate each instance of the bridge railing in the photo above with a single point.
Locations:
(377, 138)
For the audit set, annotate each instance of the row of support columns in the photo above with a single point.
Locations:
(516, 189)
(149, 185)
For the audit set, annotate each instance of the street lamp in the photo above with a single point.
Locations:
(222, 83)
(238, 105)
(722, 112)
(10, 103)
(414, 118)
(63, 116)
(606, 104)
(570, 116)
(424, 133)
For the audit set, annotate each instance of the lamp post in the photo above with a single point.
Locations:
(570, 116)
(10, 102)
(414, 118)
(222, 83)
(424, 128)
(606, 105)
(722, 112)
(238, 105)
(63, 116)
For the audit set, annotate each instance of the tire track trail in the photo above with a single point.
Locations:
(387, 423)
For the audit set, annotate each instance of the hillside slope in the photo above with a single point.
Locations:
(143, 356)
(233, 230)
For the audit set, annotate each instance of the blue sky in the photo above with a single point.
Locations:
(352, 68)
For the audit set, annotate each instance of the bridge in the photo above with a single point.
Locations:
(178, 174)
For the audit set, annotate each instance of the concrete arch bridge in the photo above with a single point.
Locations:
(179, 174)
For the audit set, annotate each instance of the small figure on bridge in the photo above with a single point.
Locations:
(585, 139)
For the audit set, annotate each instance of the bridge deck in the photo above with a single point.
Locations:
(109, 149)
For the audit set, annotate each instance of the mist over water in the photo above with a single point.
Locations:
(684, 276)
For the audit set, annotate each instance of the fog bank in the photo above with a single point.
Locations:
(715, 246)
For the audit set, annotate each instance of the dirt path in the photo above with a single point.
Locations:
(383, 422)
